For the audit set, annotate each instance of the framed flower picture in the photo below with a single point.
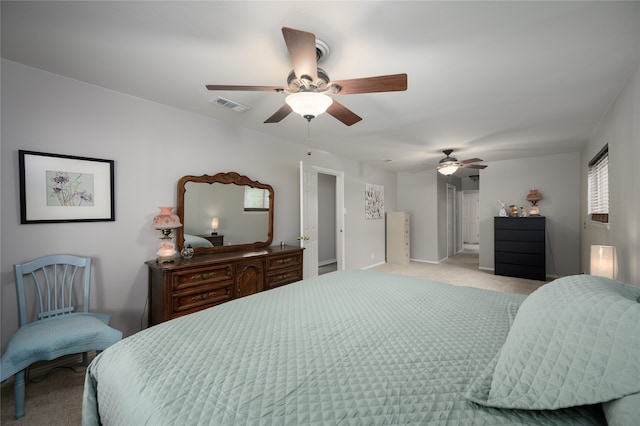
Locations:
(63, 188)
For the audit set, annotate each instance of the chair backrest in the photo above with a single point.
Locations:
(60, 280)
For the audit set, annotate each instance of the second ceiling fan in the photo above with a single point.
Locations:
(449, 165)
(309, 87)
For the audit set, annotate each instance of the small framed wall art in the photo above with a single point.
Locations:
(58, 188)
(373, 201)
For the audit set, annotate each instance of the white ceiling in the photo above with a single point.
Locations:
(494, 80)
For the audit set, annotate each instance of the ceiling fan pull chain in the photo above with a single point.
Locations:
(308, 136)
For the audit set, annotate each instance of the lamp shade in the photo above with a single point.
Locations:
(166, 219)
(604, 262)
(534, 196)
(309, 103)
(214, 223)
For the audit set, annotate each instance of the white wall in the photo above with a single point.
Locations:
(153, 146)
(418, 195)
(557, 177)
(620, 128)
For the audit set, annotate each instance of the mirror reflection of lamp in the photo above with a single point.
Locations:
(604, 262)
(533, 197)
(166, 221)
(214, 226)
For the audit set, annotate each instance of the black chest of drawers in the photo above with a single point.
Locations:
(520, 247)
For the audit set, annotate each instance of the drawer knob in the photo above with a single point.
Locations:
(203, 296)
(198, 277)
(282, 276)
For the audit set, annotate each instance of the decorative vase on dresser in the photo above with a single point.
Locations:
(398, 237)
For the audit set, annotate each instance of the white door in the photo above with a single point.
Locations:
(309, 219)
(470, 219)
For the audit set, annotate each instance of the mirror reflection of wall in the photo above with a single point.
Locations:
(204, 201)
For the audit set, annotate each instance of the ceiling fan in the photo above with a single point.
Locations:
(308, 87)
(449, 165)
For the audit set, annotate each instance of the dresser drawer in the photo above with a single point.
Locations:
(518, 235)
(209, 275)
(201, 297)
(284, 261)
(520, 271)
(529, 247)
(526, 259)
(282, 277)
(523, 223)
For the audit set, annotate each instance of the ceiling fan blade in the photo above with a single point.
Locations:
(343, 113)
(279, 114)
(471, 160)
(302, 51)
(473, 166)
(383, 83)
(245, 88)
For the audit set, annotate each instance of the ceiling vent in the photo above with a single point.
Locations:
(226, 103)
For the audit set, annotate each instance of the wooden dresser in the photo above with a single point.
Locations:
(190, 285)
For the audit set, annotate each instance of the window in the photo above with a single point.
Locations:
(598, 176)
(256, 199)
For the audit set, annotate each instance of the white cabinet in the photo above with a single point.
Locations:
(398, 242)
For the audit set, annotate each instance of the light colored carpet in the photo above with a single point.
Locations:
(52, 400)
(462, 269)
(56, 400)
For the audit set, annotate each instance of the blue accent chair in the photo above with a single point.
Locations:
(53, 326)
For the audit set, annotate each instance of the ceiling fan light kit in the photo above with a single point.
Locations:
(447, 169)
(309, 103)
(449, 165)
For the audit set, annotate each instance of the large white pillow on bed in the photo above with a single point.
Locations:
(574, 341)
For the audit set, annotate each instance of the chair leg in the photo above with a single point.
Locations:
(85, 359)
(18, 392)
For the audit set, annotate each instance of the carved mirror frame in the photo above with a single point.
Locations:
(228, 179)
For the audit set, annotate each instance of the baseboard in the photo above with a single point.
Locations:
(327, 262)
(374, 265)
(428, 261)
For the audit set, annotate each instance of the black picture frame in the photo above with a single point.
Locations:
(56, 188)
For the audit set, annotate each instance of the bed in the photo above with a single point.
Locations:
(363, 347)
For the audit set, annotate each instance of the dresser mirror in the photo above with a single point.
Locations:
(224, 212)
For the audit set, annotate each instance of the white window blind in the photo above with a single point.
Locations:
(256, 199)
(598, 176)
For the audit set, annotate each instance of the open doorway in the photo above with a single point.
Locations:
(470, 221)
(327, 248)
(451, 220)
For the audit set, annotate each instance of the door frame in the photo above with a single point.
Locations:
(451, 219)
(339, 212)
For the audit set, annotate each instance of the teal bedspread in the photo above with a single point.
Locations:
(348, 348)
